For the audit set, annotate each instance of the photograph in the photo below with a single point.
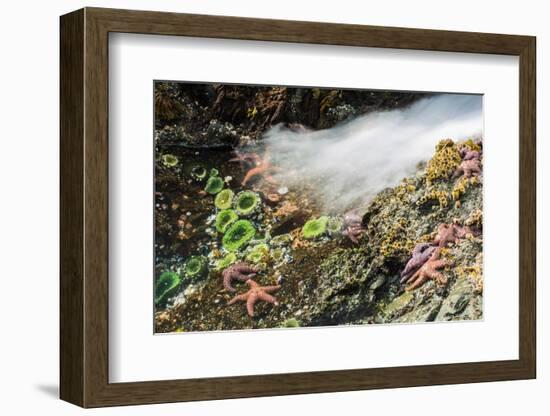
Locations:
(289, 207)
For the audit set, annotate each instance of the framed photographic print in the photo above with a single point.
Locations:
(258, 207)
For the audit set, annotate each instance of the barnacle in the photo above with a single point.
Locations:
(470, 144)
(444, 162)
(474, 273)
(434, 195)
(475, 219)
(395, 242)
(462, 185)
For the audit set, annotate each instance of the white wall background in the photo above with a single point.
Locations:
(29, 209)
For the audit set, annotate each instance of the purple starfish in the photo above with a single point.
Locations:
(238, 271)
(420, 255)
(468, 154)
(353, 227)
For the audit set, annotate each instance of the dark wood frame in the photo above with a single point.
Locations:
(84, 208)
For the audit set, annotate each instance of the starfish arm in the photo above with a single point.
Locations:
(267, 298)
(227, 282)
(404, 277)
(271, 289)
(243, 277)
(411, 266)
(244, 268)
(252, 299)
(414, 276)
(251, 173)
(407, 276)
(239, 298)
(422, 277)
(438, 277)
(438, 264)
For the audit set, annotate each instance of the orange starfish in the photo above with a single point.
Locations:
(429, 270)
(468, 168)
(255, 294)
(449, 233)
(262, 168)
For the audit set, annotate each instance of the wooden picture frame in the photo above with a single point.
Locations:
(84, 207)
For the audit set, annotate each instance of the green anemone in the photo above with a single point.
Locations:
(334, 225)
(214, 172)
(198, 172)
(169, 160)
(247, 202)
(238, 235)
(315, 228)
(224, 199)
(291, 323)
(258, 253)
(214, 185)
(226, 261)
(224, 219)
(195, 267)
(165, 286)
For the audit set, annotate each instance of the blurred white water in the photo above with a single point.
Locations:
(352, 162)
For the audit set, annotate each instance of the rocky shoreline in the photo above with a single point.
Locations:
(328, 269)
